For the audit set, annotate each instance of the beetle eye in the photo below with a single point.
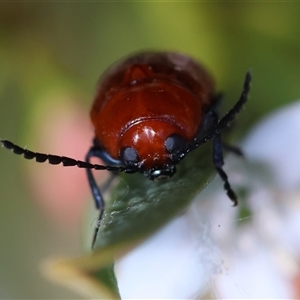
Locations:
(176, 145)
(129, 156)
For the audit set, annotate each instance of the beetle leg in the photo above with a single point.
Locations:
(99, 202)
(219, 162)
(97, 195)
(223, 122)
(102, 154)
(207, 130)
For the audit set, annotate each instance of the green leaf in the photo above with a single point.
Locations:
(138, 207)
(107, 277)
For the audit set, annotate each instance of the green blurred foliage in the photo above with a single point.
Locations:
(48, 46)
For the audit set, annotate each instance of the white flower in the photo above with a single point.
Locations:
(213, 249)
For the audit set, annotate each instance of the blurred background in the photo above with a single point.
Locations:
(51, 56)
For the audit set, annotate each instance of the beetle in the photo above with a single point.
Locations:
(151, 109)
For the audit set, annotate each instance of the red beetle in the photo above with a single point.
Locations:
(151, 109)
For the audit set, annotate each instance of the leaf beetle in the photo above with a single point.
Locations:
(150, 110)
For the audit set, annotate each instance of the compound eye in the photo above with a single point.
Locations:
(129, 156)
(175, 144)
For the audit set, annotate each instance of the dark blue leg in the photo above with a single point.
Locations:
(99, 202)
(219, 162)
(96, 151)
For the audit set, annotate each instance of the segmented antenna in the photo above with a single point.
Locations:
(229, 117)
(56, 160)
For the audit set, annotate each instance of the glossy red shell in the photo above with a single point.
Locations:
(147, 97)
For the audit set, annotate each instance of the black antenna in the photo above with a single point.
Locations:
(56, 160)
(229, 117)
